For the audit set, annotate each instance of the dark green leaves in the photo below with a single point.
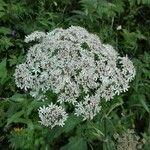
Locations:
(3, 71)
(75, 143)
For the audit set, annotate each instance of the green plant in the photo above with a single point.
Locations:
(131, 110)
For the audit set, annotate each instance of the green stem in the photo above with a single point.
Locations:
(105, 133)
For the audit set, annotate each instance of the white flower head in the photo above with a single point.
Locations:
(71, 62)
(88, 108)
(37, 35)
(52, 115)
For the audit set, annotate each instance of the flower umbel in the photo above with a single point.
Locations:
(88, 108)
(52, 115)
(71, 62)
(129, 141)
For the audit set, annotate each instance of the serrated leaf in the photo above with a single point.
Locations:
(6, 42)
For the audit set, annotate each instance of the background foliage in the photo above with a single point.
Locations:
(125, 24)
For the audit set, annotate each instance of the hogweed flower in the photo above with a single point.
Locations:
(71, 62)
(52, 115)
(88, 108)
(129, 141)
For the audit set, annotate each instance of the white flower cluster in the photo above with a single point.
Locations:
(72, 62)
(52, 115)
(129, 140)
(88, 108)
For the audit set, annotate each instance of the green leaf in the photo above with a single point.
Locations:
(17, 97)
(143, 102)
(71, 123)
(75, 143)
(54, 133)
(6, 42)
(5, 31)
(3, 71)
(30, 124)
(16, 118)
(33, 105)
